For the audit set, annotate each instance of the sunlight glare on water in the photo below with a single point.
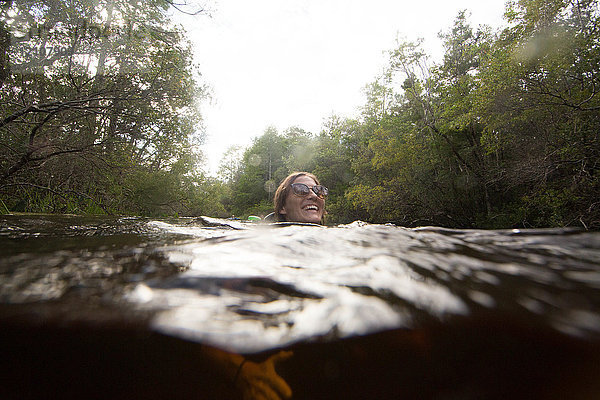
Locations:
(250, 287)
(279, 285)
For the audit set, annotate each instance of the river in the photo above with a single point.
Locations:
(116, 307)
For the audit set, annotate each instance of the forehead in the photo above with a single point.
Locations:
(306, 180)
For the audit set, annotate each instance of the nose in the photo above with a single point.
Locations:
(311, 194)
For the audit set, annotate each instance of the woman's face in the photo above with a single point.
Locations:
(309, 208)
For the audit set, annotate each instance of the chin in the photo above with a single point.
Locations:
(313, 220)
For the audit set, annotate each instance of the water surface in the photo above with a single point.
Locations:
(253, 289)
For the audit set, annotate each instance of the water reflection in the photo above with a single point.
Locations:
(213, 278)
(253, 289)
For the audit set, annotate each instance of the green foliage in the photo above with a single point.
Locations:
(502, 132)
(98, 108)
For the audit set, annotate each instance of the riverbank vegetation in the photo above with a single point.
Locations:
(99, 110)
(502, 132)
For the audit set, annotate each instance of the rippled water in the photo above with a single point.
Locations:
(253, 288)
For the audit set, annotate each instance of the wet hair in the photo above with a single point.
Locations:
(283, 191)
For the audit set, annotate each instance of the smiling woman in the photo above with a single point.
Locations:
(300, 198)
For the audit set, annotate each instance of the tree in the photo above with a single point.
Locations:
(95, 97)
(539, 102)
(230, 165)
(421, 158)
(262, 168)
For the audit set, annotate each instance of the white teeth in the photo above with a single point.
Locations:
(311, 207)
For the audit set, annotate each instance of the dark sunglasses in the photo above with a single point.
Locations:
(300, 189)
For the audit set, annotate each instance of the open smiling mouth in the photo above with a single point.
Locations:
(311, 207)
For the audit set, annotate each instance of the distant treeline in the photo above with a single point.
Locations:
(502, 132)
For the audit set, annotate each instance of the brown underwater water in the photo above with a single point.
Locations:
(107, 307)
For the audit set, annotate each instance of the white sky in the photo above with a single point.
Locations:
(286, 63)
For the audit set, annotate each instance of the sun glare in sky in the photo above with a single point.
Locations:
(284, 63)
